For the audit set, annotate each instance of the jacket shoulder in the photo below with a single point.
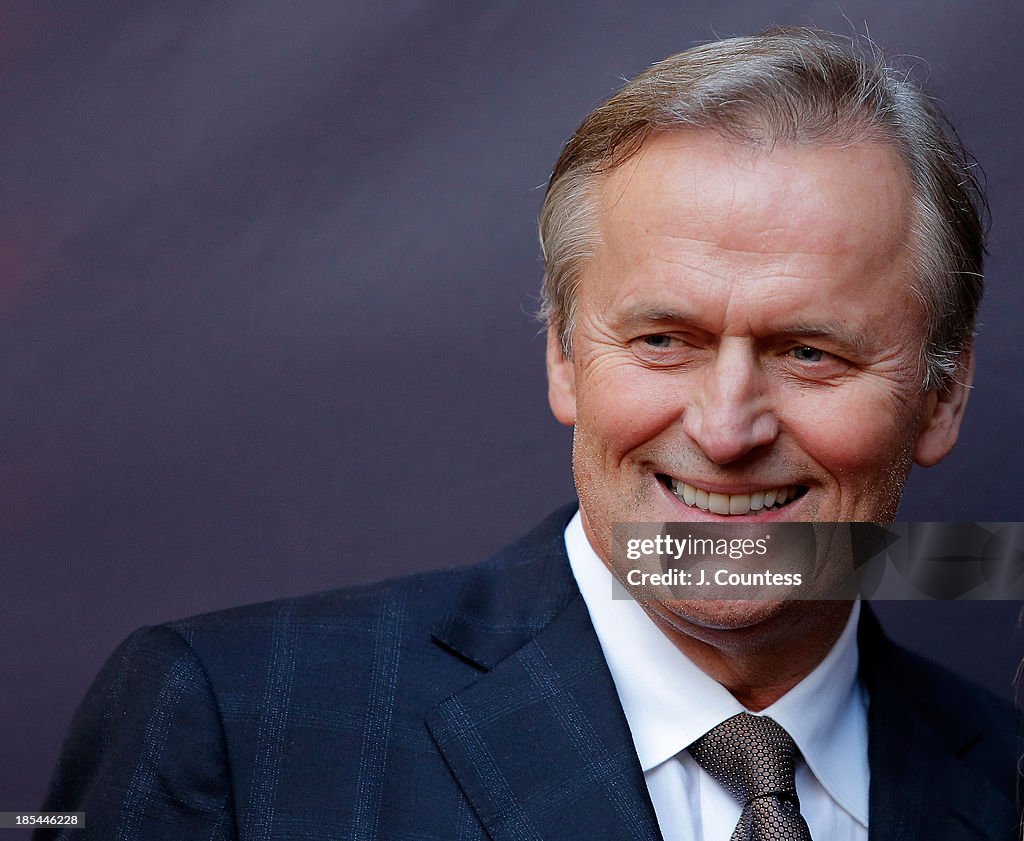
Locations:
(289, 710)
(423, 596)
(511, 593)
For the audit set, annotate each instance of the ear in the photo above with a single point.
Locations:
(943, 412)
(561, 381)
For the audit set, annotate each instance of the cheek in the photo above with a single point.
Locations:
(858, 435)
(624, 407)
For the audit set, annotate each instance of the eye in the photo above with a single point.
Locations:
(657, 340)
(808, 354)
(811, 363)
(663, 350)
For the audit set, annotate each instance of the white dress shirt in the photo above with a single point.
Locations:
(669, 703)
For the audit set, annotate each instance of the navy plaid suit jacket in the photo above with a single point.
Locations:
(466, 704)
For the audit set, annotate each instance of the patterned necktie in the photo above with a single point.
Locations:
(754, 758)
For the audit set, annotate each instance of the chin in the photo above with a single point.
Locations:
(720, 614)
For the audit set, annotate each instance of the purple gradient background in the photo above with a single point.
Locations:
(266, 276)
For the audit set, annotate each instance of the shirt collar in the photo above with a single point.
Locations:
(669, 702)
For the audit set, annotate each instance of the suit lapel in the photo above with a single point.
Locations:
(921, 785)
(539, 744)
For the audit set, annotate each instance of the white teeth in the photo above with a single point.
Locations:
(723, 504)
(718, 503)
(739, 503)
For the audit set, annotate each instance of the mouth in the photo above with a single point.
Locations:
(755, 502)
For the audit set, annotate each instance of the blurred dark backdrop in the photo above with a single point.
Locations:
(266, 270)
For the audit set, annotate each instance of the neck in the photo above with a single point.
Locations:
(758, 662)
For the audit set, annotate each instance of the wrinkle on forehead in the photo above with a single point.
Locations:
(735, 197)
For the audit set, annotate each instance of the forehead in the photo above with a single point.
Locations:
(693, 205)
(806, 198)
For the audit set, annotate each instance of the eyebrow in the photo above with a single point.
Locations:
(833, 331)
(646, 316)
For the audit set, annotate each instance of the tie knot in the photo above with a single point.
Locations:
(751, 755)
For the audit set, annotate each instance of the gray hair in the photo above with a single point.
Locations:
(785, 86)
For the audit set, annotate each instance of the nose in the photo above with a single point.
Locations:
(730, 412)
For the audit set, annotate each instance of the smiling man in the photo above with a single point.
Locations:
(747, 344)
(763, 266)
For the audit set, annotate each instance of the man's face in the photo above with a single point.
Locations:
(747, 343)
